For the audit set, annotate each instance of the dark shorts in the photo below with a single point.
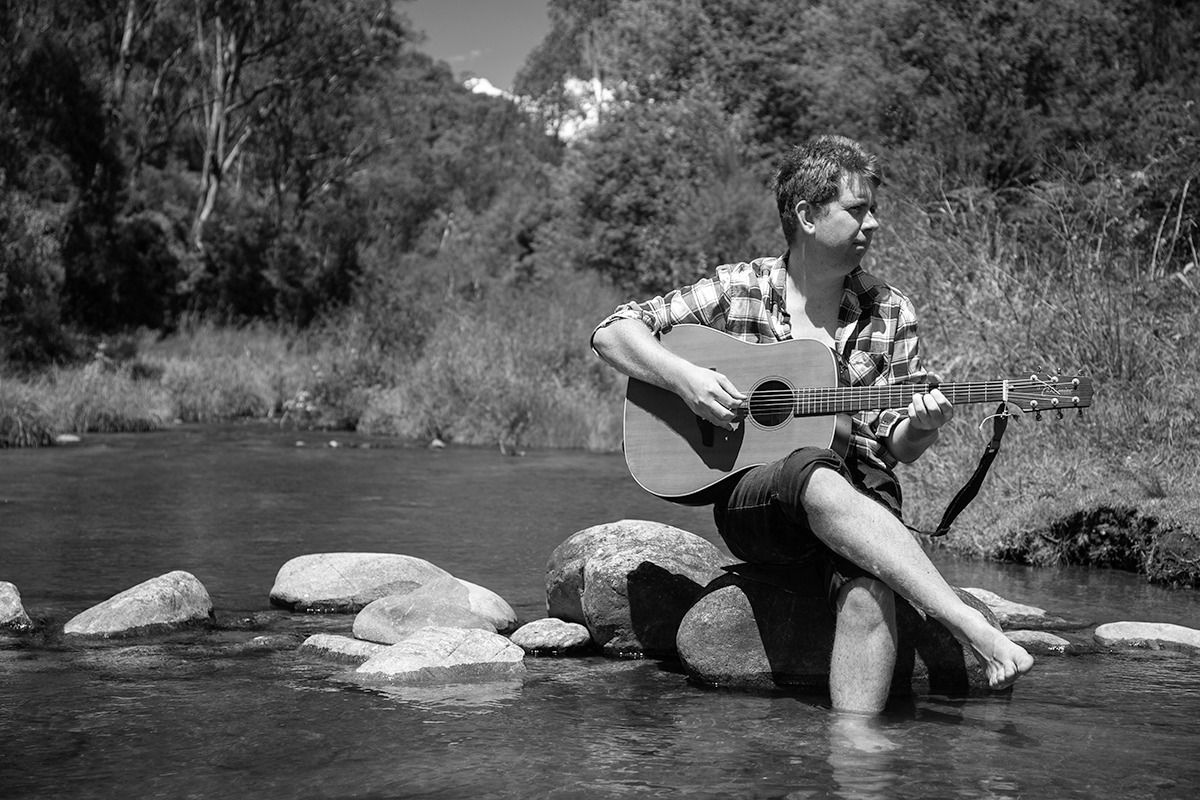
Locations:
(763, 521)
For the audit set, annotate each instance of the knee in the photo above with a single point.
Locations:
(867, 603)
(827, 493)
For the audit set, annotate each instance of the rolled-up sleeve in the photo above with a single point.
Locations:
(702, 303)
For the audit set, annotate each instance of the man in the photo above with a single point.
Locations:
(814, 504)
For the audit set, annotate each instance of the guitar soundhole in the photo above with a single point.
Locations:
(771, 403)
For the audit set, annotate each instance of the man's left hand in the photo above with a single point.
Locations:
(930, 410)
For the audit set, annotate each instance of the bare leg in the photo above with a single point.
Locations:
(865, 533)
(864, 647)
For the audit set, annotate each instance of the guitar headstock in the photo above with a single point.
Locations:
(1038, 395)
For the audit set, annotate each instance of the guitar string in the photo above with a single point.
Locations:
(825, 397)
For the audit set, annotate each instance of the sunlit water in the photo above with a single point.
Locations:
(211, 715)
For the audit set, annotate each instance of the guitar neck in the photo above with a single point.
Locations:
(849, 399)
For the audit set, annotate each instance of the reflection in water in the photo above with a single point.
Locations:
(457, 698)
(862, 756)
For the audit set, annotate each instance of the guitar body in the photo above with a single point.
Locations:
(796, 400)
(672, 453)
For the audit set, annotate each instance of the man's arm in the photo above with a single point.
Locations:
(629, 346)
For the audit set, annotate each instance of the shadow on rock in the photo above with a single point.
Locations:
(765, 627)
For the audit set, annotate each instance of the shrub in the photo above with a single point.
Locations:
(24, 420)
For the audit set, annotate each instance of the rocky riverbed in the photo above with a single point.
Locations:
(625, 589)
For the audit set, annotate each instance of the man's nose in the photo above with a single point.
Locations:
(870, 223)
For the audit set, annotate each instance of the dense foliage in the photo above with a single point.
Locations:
(263, 160)
(226, 160)
(212, 209)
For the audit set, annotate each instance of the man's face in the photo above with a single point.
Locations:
(843, 227)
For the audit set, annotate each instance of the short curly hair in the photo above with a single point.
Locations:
(813, 171)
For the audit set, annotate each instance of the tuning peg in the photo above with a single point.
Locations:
(1037, 416)
(1059, 413)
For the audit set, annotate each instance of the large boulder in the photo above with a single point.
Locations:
(449, 590)
(394, 618)
(630, 583)
(12, 613)
(445, 655)
(345, 582)
(751, 633)
(174, 600)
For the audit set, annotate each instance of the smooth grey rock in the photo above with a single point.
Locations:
(394, 618)
(630, 582)
(345, 582)
(12, 613)
(747, 633)
(552, 636)
(174, 600)
(1039, 643)
(445, 655)
(340, 648)
(1151, 635)
(448, 590)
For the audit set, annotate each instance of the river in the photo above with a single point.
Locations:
(205, 715)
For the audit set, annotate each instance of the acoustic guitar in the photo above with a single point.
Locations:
(795, 401)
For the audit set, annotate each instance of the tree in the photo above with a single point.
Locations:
(573, 49)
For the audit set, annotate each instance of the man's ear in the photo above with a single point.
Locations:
(804, 216)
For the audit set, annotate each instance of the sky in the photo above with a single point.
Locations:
(485, 38)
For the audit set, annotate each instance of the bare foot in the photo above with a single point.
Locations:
(1002, 659)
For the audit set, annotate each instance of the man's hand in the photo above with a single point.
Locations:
(711, 396)
(930, 411)
(927, 412)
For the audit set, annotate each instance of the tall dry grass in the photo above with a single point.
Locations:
(512, 370)
(1064, 288)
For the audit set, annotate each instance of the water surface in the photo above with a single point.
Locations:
(211, 715)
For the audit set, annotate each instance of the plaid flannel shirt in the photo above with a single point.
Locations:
(876, 335)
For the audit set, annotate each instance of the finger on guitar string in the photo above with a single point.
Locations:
(930, 410)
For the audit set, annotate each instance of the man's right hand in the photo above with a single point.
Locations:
(711, 396)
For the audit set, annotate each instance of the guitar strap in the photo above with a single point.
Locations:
(971, 488)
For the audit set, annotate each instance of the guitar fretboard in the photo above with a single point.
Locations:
(845, 400)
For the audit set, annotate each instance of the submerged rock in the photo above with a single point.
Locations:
(552, 636)
(12, 613)
(750, 633)
(345, 582)
(445, 655)
(394, 618)
(174, 600)
(267, 642)
(340, 648)
(1151, 635)
(630, 582)
(1039, 643)
(1023, 617)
